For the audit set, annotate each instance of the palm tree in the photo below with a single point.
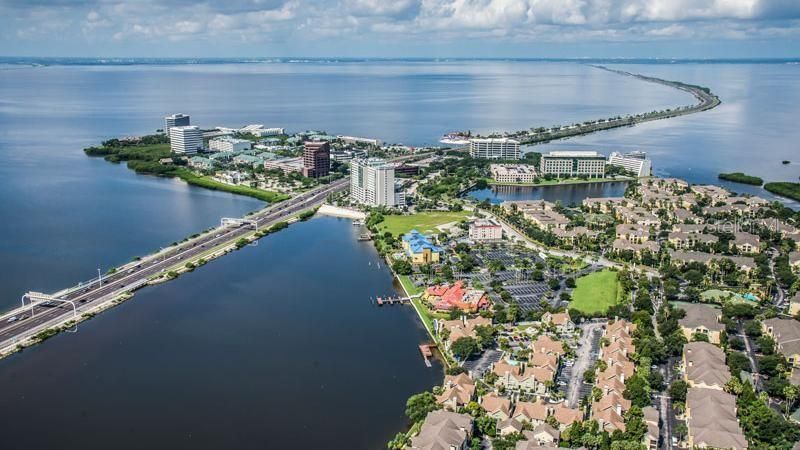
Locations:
(790, 392)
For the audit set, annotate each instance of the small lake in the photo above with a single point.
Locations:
(567, 194)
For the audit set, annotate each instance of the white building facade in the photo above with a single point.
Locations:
(228, 144)
(485, 230)
(186, 140)
(513, 173)
(372, 183)
(636, 163)
(574, 163)
(502, 148)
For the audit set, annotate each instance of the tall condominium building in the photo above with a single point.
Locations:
(573, 163)
(185, 140)
(502, 148)
(372, 183)
(228, 144)
(175, 120)
(316, 159)
(635, 162)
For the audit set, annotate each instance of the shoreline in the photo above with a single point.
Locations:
(705, 97)
(228, 240)
(564, 182)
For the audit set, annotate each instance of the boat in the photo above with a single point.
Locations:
(455, 138)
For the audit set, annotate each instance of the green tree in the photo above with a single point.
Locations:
(419, 405)
(402, 267)
(677, 391)
(464, 347)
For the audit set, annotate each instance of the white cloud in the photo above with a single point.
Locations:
(425, 20)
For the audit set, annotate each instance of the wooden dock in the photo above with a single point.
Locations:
(427, 353)
(380, 301)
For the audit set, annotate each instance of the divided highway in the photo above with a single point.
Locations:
(17, 326)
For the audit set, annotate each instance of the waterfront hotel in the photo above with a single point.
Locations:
(372, 183)
(573, 164)
(502, 148)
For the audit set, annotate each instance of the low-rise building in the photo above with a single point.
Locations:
(513, 173)
(446, 297)
(704, 366)
(443, 430)
(457, 391)
(711, 420)
(702, 319)
(522, 378)
(653, 434)
(286, 165)
(483, 230)
(683, 240)
(633, 233)
(786, 334)
(534, 413)
(794, 261)
(229, 144)
(680, 257)
(420, 249)
(561, 321)
(794, 304)
(547, 219)
(604, 204)
(496, 406)
(200, 163)
(622, 245)
(746, 242)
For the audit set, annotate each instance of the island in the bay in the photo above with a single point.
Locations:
(665, 317)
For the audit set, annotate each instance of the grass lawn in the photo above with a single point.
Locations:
(595, 292)
(423, 222)
(422, 310)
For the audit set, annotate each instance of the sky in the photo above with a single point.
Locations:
(401, 28)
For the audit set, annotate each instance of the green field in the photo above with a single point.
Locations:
(423, 222)
(595, 292)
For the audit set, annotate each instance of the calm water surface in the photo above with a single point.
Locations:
(275, 346)
(567, 194)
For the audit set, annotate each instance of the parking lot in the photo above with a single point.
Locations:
(529, 294)
(570, 380)
(508, 256)
(477, 366)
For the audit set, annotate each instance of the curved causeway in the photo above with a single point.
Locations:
(706, 100)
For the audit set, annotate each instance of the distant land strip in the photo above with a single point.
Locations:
(706, 100)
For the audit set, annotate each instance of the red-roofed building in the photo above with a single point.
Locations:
(445, 297)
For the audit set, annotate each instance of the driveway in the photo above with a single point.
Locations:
(586, 354)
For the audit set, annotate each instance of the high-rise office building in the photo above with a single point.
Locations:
(573, 163)
(185, 140)
(635, 162)
(175, 120)
(502, 148)
(316, 159)
(372, 183)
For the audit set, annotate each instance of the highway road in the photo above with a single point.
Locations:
(16, 327)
